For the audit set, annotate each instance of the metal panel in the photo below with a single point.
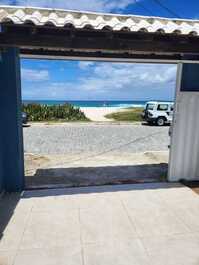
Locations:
(104, 59)
(184, 154)
(1, 169)
(1, 145)
(11, 135)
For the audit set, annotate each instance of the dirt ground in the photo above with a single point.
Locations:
(75, 171)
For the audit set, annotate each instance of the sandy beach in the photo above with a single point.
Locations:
(98, 113)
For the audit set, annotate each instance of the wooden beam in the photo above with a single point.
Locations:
(60, 40)
(52, 54)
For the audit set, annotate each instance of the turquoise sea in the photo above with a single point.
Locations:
(89, 103)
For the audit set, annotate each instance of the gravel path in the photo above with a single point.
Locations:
(94, 139)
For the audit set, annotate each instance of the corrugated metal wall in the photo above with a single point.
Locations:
(184, 155)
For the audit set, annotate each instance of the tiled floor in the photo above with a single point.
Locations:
(144, 224)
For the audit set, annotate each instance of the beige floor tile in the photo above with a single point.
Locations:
(10, 240)
(54, 256)
(7, 257)
(188, 212)
(98, 226)
(173, 250)
(116, 253)
(24, 205)
(46, 230)
(159, 221)
(189, 218)
(48, 227)
(141, 201)
(176, 194)
(51, 204)
(97, 201)
(12, 233)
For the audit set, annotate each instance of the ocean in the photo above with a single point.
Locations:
(90, 103)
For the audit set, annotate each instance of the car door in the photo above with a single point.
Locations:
(163, 110)
(170, 112)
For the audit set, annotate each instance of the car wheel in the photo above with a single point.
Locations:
(160, 121)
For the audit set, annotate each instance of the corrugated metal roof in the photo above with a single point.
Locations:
(98, 21)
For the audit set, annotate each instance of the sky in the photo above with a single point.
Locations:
(75, 80)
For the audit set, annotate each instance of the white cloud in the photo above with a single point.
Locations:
(52, 90)
(83, 65)
(109, 76)
(34, 75)
(109, 81)
(87, 5)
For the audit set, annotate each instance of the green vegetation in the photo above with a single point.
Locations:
(130, 115)
(66, 112)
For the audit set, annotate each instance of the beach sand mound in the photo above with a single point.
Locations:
(99, 113)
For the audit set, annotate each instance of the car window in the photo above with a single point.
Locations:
(150, 106)
(162, 107)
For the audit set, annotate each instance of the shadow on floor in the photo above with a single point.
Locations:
(94, 176)
(8, 203)
(194, 185)
(36, 193)
(144, 123)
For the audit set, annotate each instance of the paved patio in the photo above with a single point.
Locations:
(144, 224)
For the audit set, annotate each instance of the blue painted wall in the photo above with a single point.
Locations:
(11, 151)
(1, 170)
(1, 136)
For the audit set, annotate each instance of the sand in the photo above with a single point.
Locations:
(98, 113)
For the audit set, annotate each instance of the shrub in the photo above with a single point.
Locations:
(65, 112)
(129, 115)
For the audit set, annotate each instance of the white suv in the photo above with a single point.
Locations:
(157, 112)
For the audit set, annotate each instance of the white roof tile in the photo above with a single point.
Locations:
(60, 18)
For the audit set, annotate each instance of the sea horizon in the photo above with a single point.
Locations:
(91, 103)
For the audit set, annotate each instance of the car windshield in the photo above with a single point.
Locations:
(149, 106)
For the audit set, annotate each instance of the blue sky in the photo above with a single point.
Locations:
(72, 80)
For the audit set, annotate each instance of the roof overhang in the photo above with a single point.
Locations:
(50, 33)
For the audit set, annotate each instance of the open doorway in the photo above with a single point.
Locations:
(85, 122)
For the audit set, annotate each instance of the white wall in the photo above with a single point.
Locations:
(184, 154)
